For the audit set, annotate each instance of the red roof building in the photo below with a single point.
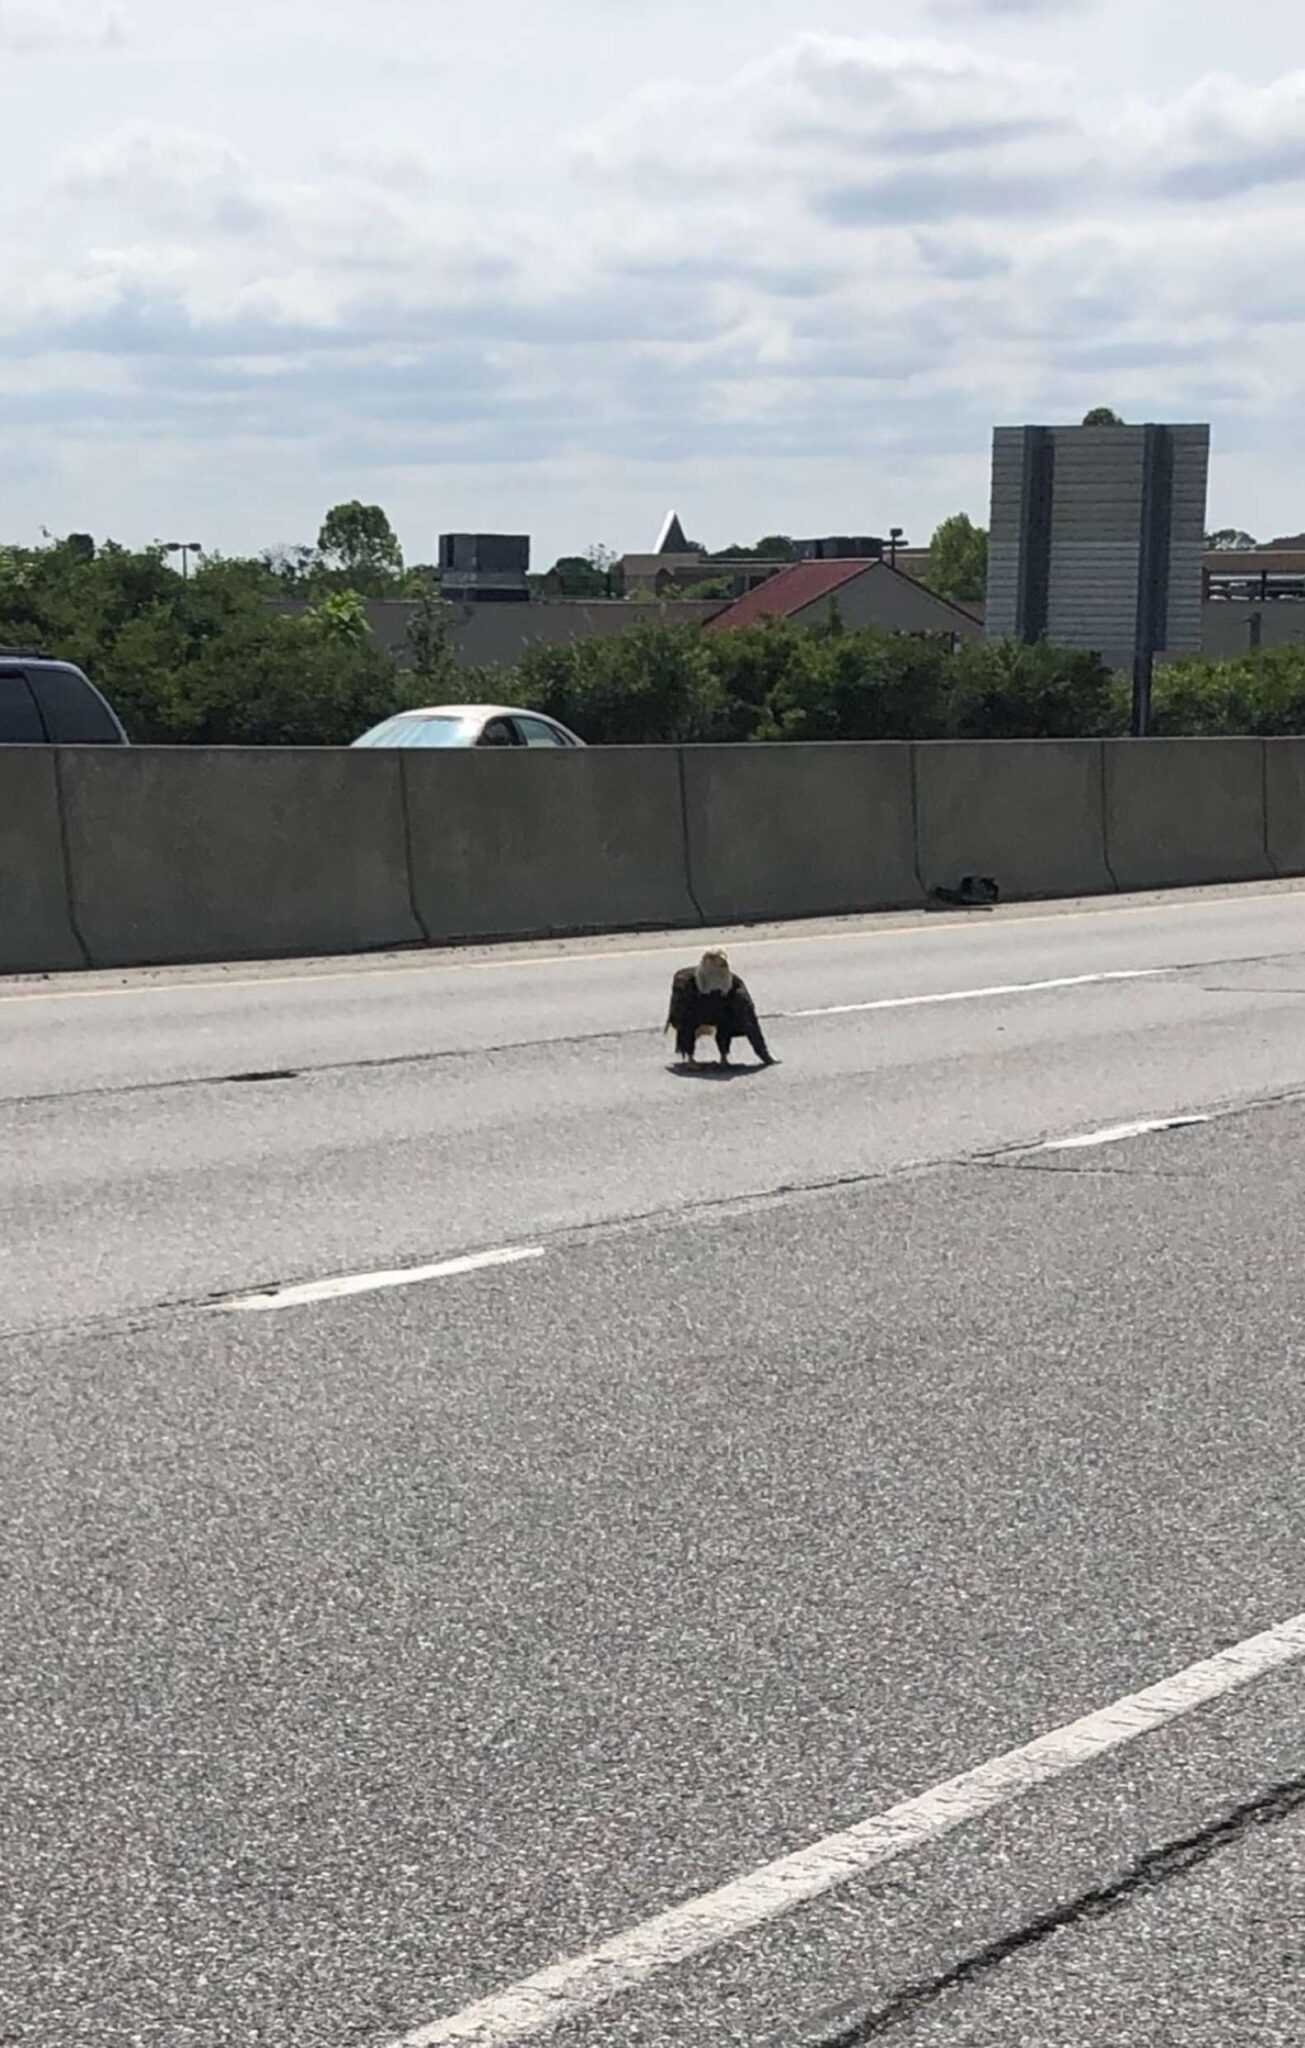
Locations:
(858, 592)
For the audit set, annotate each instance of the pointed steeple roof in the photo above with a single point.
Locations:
(671, 539)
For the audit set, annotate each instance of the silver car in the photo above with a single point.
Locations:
(469, 725)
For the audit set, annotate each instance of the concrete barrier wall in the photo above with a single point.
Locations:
(35, 924)
(221, 853)
(1028, 812)
(507, 844)
(793, 831)
(124, 857)
(1284, 793)
(1179, 812)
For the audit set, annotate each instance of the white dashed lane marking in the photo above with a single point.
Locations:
(974, 995)
(309, 1291)
(541, 2002)
(1114, 1134)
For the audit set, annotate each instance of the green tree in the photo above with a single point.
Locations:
(358, 543)
(1102, 416)
(859, 686)
(707, 590)
(1257, 694)
(342, 615)
(958, 560)
(772, 547)
(655, 685)
(754, 665)
(420, 579)
(433, 661)
(581, 576)
(1230, 537)
(1004, 690)
(205, 659)
(274, 680)
(577, 576)
(292, 569)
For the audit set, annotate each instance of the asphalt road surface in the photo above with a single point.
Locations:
(764, 1459)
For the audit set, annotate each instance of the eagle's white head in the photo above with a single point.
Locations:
(713, 974)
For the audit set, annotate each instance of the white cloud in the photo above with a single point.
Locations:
(32, 27)
(1021, 10)
(169, 179)
(843, 257)
(1221, 137)
(822, 104)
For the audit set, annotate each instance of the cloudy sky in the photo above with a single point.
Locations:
(556, 267)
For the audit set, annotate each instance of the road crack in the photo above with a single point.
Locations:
(848, 2028)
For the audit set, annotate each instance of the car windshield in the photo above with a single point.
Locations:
(412, 730)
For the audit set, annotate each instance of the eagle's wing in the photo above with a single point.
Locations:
(684, 989)
(742, 1004)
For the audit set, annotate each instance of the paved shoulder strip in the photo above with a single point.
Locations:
(543, 2001)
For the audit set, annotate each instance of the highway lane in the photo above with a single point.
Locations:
(147, 1027)
(177, 1189)
(361, 1659)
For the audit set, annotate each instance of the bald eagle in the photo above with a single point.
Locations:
(712, 998)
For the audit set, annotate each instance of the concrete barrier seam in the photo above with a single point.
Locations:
(408, 860)
(1269, 861)
(69, 888)
(912, 751)
(686, 841)
(1105, 817)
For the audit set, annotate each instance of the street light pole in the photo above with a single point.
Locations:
(184, 548)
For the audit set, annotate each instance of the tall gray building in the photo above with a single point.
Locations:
(485, 568)
(1096, 539)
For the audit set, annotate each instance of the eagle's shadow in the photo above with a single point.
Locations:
(712, 1070)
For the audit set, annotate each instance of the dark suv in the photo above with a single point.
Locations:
(51, 703)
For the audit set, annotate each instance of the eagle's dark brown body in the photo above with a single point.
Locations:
(728, 1012)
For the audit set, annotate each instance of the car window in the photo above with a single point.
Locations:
(75, 714)
(409, 731)
(498, 733)
(536, 732)
(440, 732)
(20, 721)
(379, 736)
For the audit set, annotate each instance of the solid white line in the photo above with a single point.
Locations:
(369, 1283)
(539, 2003)
(973, 995)
(1113, 1134)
